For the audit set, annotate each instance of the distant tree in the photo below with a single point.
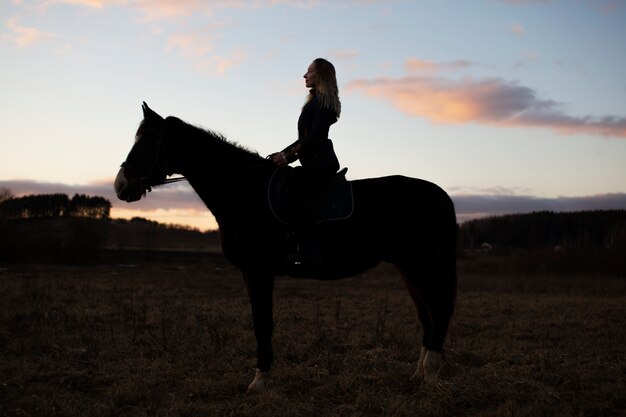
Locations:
(583, 229)
(82, 205)
(5, 194)
(35, 206)
(144, 221)
(54, 206)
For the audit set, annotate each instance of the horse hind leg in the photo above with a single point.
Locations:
(442, 298)
(435, 305)
(441, 310)
(426, 324)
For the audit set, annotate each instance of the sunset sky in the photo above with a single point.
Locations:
(509, 105)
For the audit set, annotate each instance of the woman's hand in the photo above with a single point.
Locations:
(279, 159)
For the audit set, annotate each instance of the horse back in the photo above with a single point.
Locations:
(401, 198)
(403, 216)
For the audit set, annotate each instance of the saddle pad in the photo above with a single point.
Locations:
(336, 203)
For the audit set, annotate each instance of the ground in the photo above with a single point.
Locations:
(175, 339)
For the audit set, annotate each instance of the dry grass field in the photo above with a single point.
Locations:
(175, 339)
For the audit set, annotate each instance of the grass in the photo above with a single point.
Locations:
(175, 340)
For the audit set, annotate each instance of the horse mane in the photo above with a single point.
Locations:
(207, 135)
(234, 144)
(229, 147)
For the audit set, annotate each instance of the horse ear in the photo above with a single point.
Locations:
(149, 113)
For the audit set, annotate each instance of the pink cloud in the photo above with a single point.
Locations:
(421, 66)
(169, 203)
(23, 35)
(523, 1)
(486, 101)
(517, 29)
(475, 205)
(173, 9)
(345, 54)
(170, 9)
(218, 64)
(608, 7)
(197, 43)
(95, 4)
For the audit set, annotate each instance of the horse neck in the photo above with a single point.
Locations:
(224, 175)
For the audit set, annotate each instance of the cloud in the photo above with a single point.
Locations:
(415, 65)
(218, 64)
(175, 9)
(604, 6)
(609, 7)
(24, 36)
(172, 9)
(151, 9)
(491, 101)
(179, 196)
(197, 43)
(177, 204)
(93, 4)
(96, 4)
(517, 29)
(345, 54)
(472, 206)
(516, 2)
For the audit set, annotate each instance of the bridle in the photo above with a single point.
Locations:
(148, 181)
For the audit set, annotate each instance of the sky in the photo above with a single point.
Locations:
(510, 106)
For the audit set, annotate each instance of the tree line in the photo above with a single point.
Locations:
(43, 206)
(584, 229)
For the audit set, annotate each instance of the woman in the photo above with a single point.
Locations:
(313, 148)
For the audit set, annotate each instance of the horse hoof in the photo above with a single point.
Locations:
(430, 377)
(419, 372)
(259, 383)
(432, 365)
(418, 376)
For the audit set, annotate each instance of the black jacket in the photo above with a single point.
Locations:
(313, 146)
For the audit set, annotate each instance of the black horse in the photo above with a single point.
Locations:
(405, 221)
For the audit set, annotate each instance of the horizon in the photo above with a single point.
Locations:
(468, 207)
(511, 106)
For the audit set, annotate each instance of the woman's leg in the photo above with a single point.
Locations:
(305, 191)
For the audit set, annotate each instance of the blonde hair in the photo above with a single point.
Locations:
(326, 90)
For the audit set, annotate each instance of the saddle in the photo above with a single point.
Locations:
(335, 202)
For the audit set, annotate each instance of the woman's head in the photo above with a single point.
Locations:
(321, 76)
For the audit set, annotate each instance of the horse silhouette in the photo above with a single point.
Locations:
(405, 221)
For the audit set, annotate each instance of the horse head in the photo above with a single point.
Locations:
(145, 164)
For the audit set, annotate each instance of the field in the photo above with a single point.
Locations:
(175, 339)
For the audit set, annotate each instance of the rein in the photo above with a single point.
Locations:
(213, 174)
(170, 180)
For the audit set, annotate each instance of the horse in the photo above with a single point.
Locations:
(405, 221)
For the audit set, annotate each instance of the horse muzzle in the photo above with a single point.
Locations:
(127, 190)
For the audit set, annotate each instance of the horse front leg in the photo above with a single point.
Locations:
(260, 290)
